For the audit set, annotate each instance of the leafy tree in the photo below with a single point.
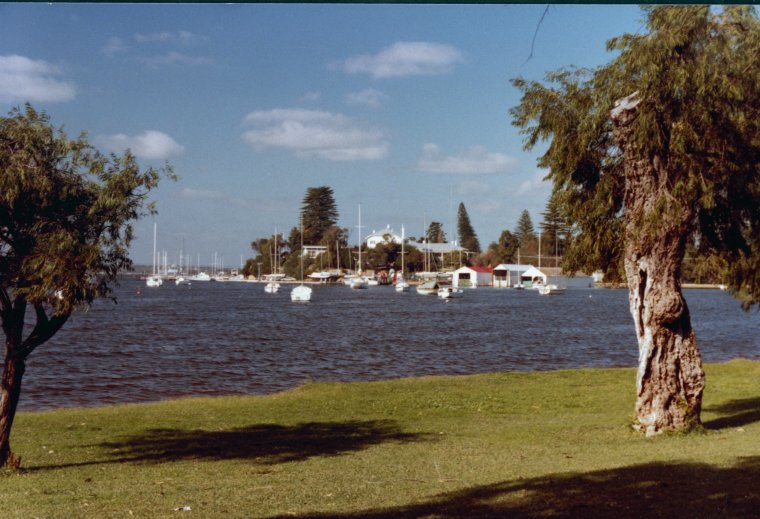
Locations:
(524, 230)
(503, 251)
(332, 236)
(66, 215)
(435, 233)
(657, 149)
(319, 213)
(467, 237)
(384, 255)
(265, 254)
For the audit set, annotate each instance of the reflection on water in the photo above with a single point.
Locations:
(232, 338)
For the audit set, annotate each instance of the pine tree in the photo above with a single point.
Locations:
(554, 227)
(653, 151)
(467, 237)
(319, 213)
(524, 230)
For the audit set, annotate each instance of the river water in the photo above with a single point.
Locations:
(231, 338)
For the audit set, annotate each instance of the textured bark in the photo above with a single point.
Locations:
(670, 379)
(10, 391)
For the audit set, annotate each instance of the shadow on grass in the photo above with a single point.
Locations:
(649, 490)
(740, 412)
(261, 443)
(264, 443)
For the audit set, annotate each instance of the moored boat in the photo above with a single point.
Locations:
(449, 292)
(429, 288)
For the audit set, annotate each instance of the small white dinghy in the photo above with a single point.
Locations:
(301, 294)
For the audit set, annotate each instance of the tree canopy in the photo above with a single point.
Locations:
(66, 215)
(698, 82)
(435, 233)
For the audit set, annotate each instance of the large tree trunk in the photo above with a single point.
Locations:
(670, 379)
(10, 391)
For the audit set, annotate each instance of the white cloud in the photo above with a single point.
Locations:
(369, 97)
(476, 160)
(535, 183)
(173, 58)
(171, 37)
(24, 79)
(406, 58)
(315, 133)
(150, 144)
(114, 46)
(312, 97)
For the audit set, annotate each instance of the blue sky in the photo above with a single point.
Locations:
(403, 109)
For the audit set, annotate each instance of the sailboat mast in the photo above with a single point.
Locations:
(154, 248)
(359, 228)
(402, 249)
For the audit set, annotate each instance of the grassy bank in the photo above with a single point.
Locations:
(510, 444)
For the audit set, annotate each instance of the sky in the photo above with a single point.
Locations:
(402, 109)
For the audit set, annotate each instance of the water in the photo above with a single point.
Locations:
(232, 338)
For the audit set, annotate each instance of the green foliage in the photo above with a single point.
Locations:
(467, 237)
(435, 233)
(524, 231)
(696, 73)
(554, 226)
(384, 255)
(265, 249)
(319, 213)
(503, 251)
(66, 214)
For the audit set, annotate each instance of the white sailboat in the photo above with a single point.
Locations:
(273, 286)
(548, 289)
(358, 282)
(154, 280)
(401, 284)
(301, 293)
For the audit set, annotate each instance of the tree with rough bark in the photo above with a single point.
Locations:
(65, 228)
(653, 151)
(467, 237)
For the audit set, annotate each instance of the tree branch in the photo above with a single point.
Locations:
(43, 330)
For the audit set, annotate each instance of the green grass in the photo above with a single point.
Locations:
(508, 444)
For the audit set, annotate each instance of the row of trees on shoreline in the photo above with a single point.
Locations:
(524, 244)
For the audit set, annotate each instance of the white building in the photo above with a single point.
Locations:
(510, 274)
(386, 235)
(314, 251)
(473, 277)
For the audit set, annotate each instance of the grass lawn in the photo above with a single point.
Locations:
(503, 445)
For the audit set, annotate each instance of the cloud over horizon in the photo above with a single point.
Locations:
(406, 58)
(476, 160)
(151, 145)
(369, 97)
(315, 133)
(24, 79)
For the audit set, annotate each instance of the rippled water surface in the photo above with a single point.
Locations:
(232, 338)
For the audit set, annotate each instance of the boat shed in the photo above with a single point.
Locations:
(508, 275)
(473, 277)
